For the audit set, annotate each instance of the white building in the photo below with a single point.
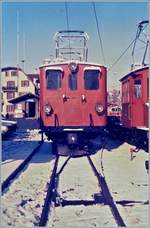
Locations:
(16, 83)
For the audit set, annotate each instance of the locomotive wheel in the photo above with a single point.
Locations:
(54, 148)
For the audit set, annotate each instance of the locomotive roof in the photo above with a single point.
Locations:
(132, 72)
(67, 62)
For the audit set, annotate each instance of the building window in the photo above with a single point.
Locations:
(25, 83)
(137, 88)
(91, 79)
(10, 95)
(14, 73)
(10, 108)
(6, 73)
(10, 83)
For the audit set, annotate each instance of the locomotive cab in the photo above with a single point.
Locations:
(72, 96)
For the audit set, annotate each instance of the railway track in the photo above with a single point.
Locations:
(107, 195)
(102, 200)
(51, 191)
(6, 183)
(53, 198)
(49, 196)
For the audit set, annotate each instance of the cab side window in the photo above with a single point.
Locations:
(53, 79)
(91, 79)
(137, 88)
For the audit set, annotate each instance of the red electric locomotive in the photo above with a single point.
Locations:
(72, 93)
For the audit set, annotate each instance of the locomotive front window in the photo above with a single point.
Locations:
(91, 79)
(73, 81)
(53, 79)
(138, 88)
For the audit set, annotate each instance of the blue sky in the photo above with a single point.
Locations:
(39, 22)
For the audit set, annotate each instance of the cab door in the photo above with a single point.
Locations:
(94, 93)
(72, 112)
(51, 95)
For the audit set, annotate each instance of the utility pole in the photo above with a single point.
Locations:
(17, 51)
(23, 60)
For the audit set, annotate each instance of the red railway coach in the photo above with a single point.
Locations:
(133, 125)
(135, 92)
(135, 99)
(72, 94)
(135, 103)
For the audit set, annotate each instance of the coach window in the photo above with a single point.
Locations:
(53, 79)
(73, 81)
(91, 79)
(147, 87)
(137, 88)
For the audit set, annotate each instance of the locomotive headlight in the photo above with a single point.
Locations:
(48, 110)
(73, 67)
(99, 108)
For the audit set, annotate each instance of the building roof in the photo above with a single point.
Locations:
(23, 98)
(31, 77)
(10, 68)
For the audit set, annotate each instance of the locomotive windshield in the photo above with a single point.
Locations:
(91, 79)
(53, 79)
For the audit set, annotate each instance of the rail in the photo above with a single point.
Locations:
(9, 180)
(107, 195)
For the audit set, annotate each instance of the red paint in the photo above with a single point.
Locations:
(135, 109)
(76, 109)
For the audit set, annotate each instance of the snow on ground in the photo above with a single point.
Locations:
(82, 216)
(22, 204)
(77, 182)
(15, 149)
(127, 180)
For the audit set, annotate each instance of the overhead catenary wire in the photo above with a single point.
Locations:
(139, 30)
(67, 18)
(133, 41)
(117, 60)
(98, 30)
